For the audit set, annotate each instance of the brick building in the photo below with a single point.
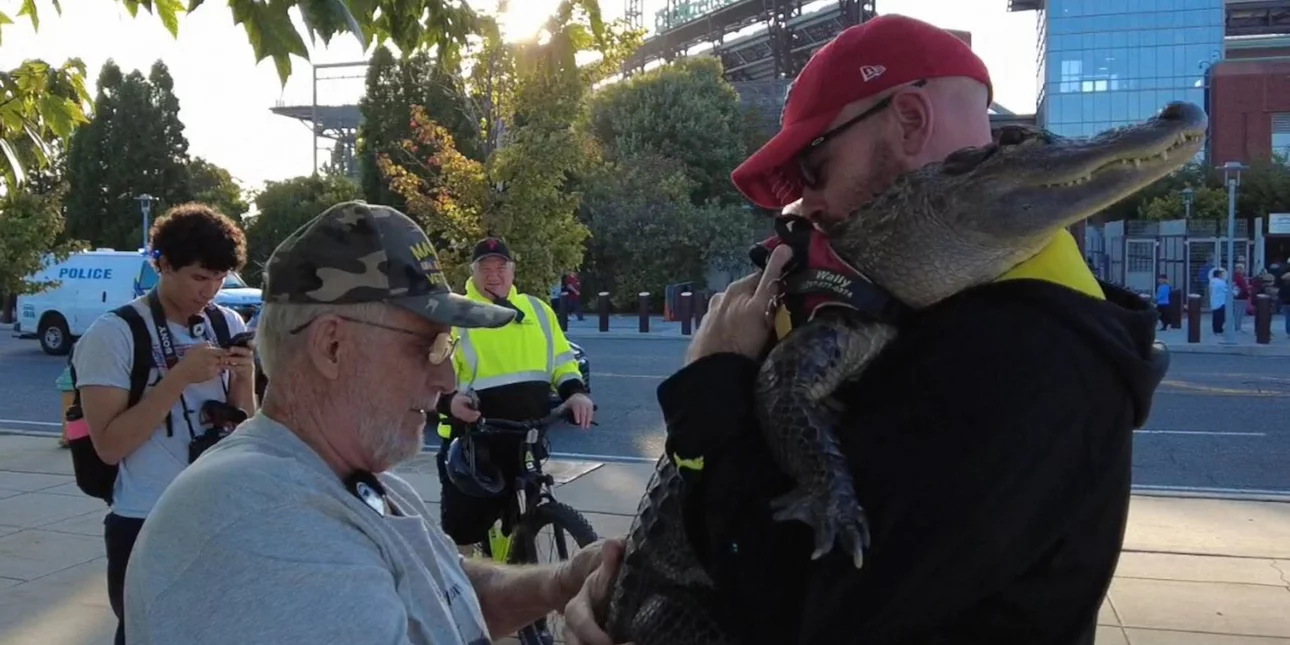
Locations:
(1249, 105)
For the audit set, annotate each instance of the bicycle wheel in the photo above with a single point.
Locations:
(565, 522)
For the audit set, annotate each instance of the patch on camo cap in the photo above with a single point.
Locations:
(355, 252)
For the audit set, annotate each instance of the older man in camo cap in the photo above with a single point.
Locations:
(291, 530)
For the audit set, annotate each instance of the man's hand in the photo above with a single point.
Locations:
(461, 408)
(580, 627)
(583, 409)
(741, 318)
(242, 362)
(201, 363)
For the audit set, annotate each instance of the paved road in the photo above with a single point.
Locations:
(1220, 423)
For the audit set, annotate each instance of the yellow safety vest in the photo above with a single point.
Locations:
(534, 349)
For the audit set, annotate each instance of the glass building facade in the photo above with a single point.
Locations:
(1107, 63)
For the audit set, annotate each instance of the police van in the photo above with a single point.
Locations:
(91, 283)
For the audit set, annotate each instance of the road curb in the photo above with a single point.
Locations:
(623, 335)
(1234, 350)
(1181, 348)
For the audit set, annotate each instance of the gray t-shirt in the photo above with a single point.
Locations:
(259, 542)
(104, 356)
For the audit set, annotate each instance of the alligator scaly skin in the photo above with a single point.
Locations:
(662, 591)
(796, 415)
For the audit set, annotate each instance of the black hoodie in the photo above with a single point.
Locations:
(991, 446)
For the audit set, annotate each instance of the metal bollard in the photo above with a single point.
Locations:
(1175, 310)
(602, 303)
(1263, 319)
(1193, 317)
(686, 311)
(644, 311)
(563, 314)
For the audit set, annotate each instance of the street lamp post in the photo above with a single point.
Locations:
(1188, 194)
(1232, 175)
(145, 206)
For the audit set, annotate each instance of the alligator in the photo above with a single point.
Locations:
(987, 208)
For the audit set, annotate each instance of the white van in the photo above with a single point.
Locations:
(92, 283)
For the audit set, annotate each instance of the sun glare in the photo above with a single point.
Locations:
(523, 19)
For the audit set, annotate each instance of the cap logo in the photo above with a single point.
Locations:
(492, 245)
(424, 253)
(870, 72)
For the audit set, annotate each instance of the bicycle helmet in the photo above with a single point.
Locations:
(472, 471)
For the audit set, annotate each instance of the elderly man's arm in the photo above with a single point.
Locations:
(512, 596)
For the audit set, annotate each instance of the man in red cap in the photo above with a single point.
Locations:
(990, 443)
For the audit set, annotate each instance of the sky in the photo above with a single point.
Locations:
(225, 96)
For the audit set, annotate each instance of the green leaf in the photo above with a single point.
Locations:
(15, 162)
(168, 11)
(29, 9)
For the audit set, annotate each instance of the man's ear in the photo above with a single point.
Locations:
(323, 345)
(913, 112)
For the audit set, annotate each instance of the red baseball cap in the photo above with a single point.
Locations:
(860, 62)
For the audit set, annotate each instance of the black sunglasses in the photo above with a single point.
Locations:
(810, 178)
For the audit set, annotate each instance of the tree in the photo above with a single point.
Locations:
(679, 127)
(685, 110)
(394, 87)
(1264, 188)
(39, 104)
(1207, 203)
(213, 185)
(526, 97)
(31, 222)
(285, 206)
(410, 25)
(133, 146)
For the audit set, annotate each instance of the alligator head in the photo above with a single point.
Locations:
(965, 221)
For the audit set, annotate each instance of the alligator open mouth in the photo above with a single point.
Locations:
(1183, 140)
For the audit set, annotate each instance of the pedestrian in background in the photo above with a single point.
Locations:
(1218, 300)
(1163, 291)
(1241, 296)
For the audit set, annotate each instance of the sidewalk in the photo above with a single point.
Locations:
(628, 327)
(1193, 571)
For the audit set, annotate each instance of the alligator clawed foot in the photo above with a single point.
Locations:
(835, 523)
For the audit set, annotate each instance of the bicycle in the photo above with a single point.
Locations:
(531, 508)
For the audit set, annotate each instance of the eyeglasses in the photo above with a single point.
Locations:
(441, 346)
(810, 175)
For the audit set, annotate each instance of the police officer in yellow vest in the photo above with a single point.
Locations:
(511, 370)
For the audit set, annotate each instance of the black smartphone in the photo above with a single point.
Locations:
(241, 340)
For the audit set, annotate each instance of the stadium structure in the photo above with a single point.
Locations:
(762, 45)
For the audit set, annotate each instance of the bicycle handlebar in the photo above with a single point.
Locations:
(509, 426)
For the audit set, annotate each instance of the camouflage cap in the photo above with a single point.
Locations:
(355, 252)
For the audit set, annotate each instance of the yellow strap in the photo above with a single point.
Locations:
(1060, 263)
(692, 464)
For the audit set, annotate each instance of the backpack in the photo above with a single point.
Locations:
(93, 476)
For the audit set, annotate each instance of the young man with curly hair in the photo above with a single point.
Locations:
(193, 248)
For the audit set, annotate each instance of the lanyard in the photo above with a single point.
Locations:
(171, 358)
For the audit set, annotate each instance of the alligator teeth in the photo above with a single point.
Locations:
(1137, 162)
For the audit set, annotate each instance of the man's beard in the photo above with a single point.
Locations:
(884, 169)
(385, 439)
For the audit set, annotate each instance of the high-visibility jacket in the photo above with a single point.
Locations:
(514, 368)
